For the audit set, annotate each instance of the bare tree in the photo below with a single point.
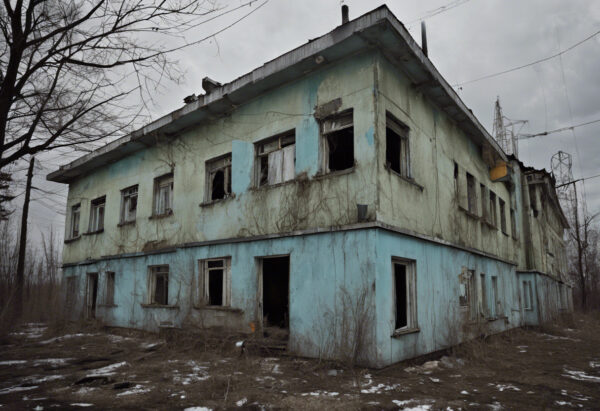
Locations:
(67, 67)
(584, 240)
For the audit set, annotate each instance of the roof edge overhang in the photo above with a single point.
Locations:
(377, 29)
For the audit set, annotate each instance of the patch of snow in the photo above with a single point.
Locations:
(66, 337)
(51, 361)
(199, 373)
(34, 379)
(137, 389)
(81, 404)
(117, 338)
(579, 375)
(464, 392)
(26, 398)
(434, 379)
(496, 406)
(198, 409)
(379, 388)
(595, 364)
(152, 344)
(13, 362)
(108, 370)
(16, 388)
(239, 344)
(85, 390)
(558, 337)
(504, 387)
(241, 402)
(321, 393)
(403, 402)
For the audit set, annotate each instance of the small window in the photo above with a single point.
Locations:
(215, 283)
(397, 150)
(533, 200)
(163, 195)
(158, 285)
(493, 210)
(496, 303)
(513, 224)
(75, 214)
(276, 159)
(471, 194)
(483, 300)
(129, 198)
(97, 215)
(467, 293)
(338, 142)
(404, 294)
(484, 209)
(110, 288)
(502, 215)
(527, 295)
(218, 178)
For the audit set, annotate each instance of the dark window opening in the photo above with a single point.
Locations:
(397, 149)
(162, 289)
(341, 149)
(92, 294)
(215, 287)
(218, 178)
(401, 296)
(471, 194)
(110, 288)
(218, 185)
(276, 276)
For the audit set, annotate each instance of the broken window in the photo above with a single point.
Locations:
(484, 210)
(163, 195)
(276, 159)
(502, 215)
(404, 294)
(527, 295)
(483, 300)
(513, 224)
(158, 285)
(496, 303)
(218, 178)
(467, 297)
(215, 281)
(110, 288)
(397, 151)
(129, 204)
(338, 142)
(471, 194)
(97, 215)
(493, 210)
(75, 213)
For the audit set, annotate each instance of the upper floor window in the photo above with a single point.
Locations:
(75, 214)
(502, 215)
(471, 194)
(276, 159)
(493, 210)
(484, 208)
(163, 195)
(397, 149)
(129, 204)
(218, 178)
(337, 142)
(97, 214)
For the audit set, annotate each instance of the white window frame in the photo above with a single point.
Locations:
(153, 272)
(164, 182)
(411, 294)
(129, 211)
(204, 285)
(275, 153)
(97, 214)
(212, 167)
(332, 124)
(75, 221)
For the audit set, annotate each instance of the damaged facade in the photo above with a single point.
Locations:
(342, 192)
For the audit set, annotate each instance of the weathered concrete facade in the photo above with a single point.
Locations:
(446, 247)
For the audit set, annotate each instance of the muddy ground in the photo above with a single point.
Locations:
(96, 368)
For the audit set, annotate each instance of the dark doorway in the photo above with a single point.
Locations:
(92, 293)
(276, 286)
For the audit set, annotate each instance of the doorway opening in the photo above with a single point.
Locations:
(92, 294)
(275, 292)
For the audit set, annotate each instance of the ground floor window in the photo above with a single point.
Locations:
(215, 281)
(527, 295)
(467, 293)
(158, 284)
(110, 288)
(404, 290)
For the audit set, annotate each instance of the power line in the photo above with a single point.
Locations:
(558, 130)
(439, 10)
(579, 179)
(560, 53)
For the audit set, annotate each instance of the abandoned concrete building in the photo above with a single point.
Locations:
(342, 192)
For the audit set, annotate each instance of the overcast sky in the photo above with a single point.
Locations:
(470, 39)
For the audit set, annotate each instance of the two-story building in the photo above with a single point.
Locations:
(342, 192)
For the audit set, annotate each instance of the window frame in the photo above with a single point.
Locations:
(497, 302)
(260, 156)
(204, 282)
(493, 209)
(483, 306)
(402, 131)
(97, 209)
(211, 167)
(471, 193)
(325, 132)
(159, 182)
(527, 295)
(502, 207)
(411, 291)
(109, 288)
(74, 213)
(155, 271)
(126, 196)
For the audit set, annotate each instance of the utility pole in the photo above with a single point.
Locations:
(23, 244)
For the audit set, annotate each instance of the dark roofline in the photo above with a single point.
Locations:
(358, 34)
